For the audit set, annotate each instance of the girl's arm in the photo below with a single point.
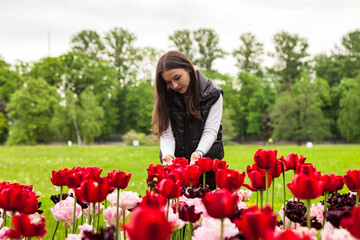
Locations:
(167, 145)
(211, 129)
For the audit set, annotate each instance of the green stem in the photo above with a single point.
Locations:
(257, 198)
(4, 212)
(284, 199)
(82, 216)
(61, 191)
(56, 227)
(167, 210)
(273, 193)
(222, 229)
(266, 186)
(117, 214)
(261, 198)
(325, 207)
(357, 198)
(204, 178)
(190, 230)
(308, 213)
(66, 232)
(74, 218)
(89, 216)
(98, 223)
(124, 209)
(293, 194)
(190, 184)
(94, 208)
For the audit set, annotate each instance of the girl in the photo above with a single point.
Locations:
(187, 112)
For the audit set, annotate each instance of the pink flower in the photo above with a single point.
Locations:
(244, 195)
(85, 228)
(317, 211)
(73, 237)
(64, 211)
(86, 210)
(306, 233)
(210, 229)
(3, 230)
(1, 221)
(336, 234)
(127, 200)
(175, 221)
(199, 206)
(110, 216)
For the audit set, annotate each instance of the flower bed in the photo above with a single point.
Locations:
(177, 206)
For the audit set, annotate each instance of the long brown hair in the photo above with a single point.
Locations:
(161, 111)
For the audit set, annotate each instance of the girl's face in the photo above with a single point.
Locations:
(177, 79)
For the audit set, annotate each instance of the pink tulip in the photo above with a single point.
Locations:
(110, 216)
(127, 200)
(3, 230)
(210, 229)
(73, 237)
(64, 211)
(86, 210)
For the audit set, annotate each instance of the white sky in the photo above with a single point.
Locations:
(25, 24)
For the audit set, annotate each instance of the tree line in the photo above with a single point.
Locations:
(103, 87)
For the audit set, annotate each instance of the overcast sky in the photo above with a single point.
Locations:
(25, 24)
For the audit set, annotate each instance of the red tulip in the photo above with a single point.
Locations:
(192, 173)
(229, 179)
(352, 223)
(59, 177)
(119, 179)
(178, 176)
(25, 227)
(204, 164)
(352, 180)
(148, 223)
(168, 188)
(292, 161)
(332, 182)
(180, 161)
(306, 168)
(276, 171)
(220, 203)
(255, 223)
(156, 173)
(288, 234)
(75, 177)
(16, 197)
(153, 200)
(219, 164)
(187, 213)
(92, 173)
(306, 187)
(265, 159)
(257, 180)
(92, 191)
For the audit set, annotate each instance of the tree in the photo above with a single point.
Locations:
(88, 42)
(351, 42)
(292, 58)
(183, 41)
(30, 112)
(208, 46)
(248, 55)
(297, 116)
(3, 122)
(10, 81)
(349, 118)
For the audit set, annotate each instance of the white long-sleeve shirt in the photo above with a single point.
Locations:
(208, 136)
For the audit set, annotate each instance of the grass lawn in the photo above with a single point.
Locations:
(33, 165)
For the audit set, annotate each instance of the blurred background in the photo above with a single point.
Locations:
(83, 71)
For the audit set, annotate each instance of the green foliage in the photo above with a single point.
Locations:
(31, 109)
(248, 55)
(297, 116)
(183, 41)
(10, 81)
(349, 119)
(144, 140)
(88, 42)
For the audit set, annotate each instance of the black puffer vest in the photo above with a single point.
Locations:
(187, 131)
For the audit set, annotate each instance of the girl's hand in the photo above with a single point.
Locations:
(194, 157)
(167, 160)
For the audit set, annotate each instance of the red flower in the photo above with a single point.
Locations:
(187, 213)
(168, 188)
(156, 173)
(180, 161)
(288, 234)
(255, 223)
(119, 179)
(92, 191)
(192, 173)
(292, 161)
(220, 203)
(352, 180)
(306, 168)
(332, 182)
(92, 173)
(24, 227)
(352, 223)
(204, 164)
(265, 159)
(229, 179)
(16, 197)
(178, 176)
(148, 223)
(75, 177)
(306, 187)
(276, 171)
(59, 177)
(257, 180)
(153, 200)
(219, 164)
